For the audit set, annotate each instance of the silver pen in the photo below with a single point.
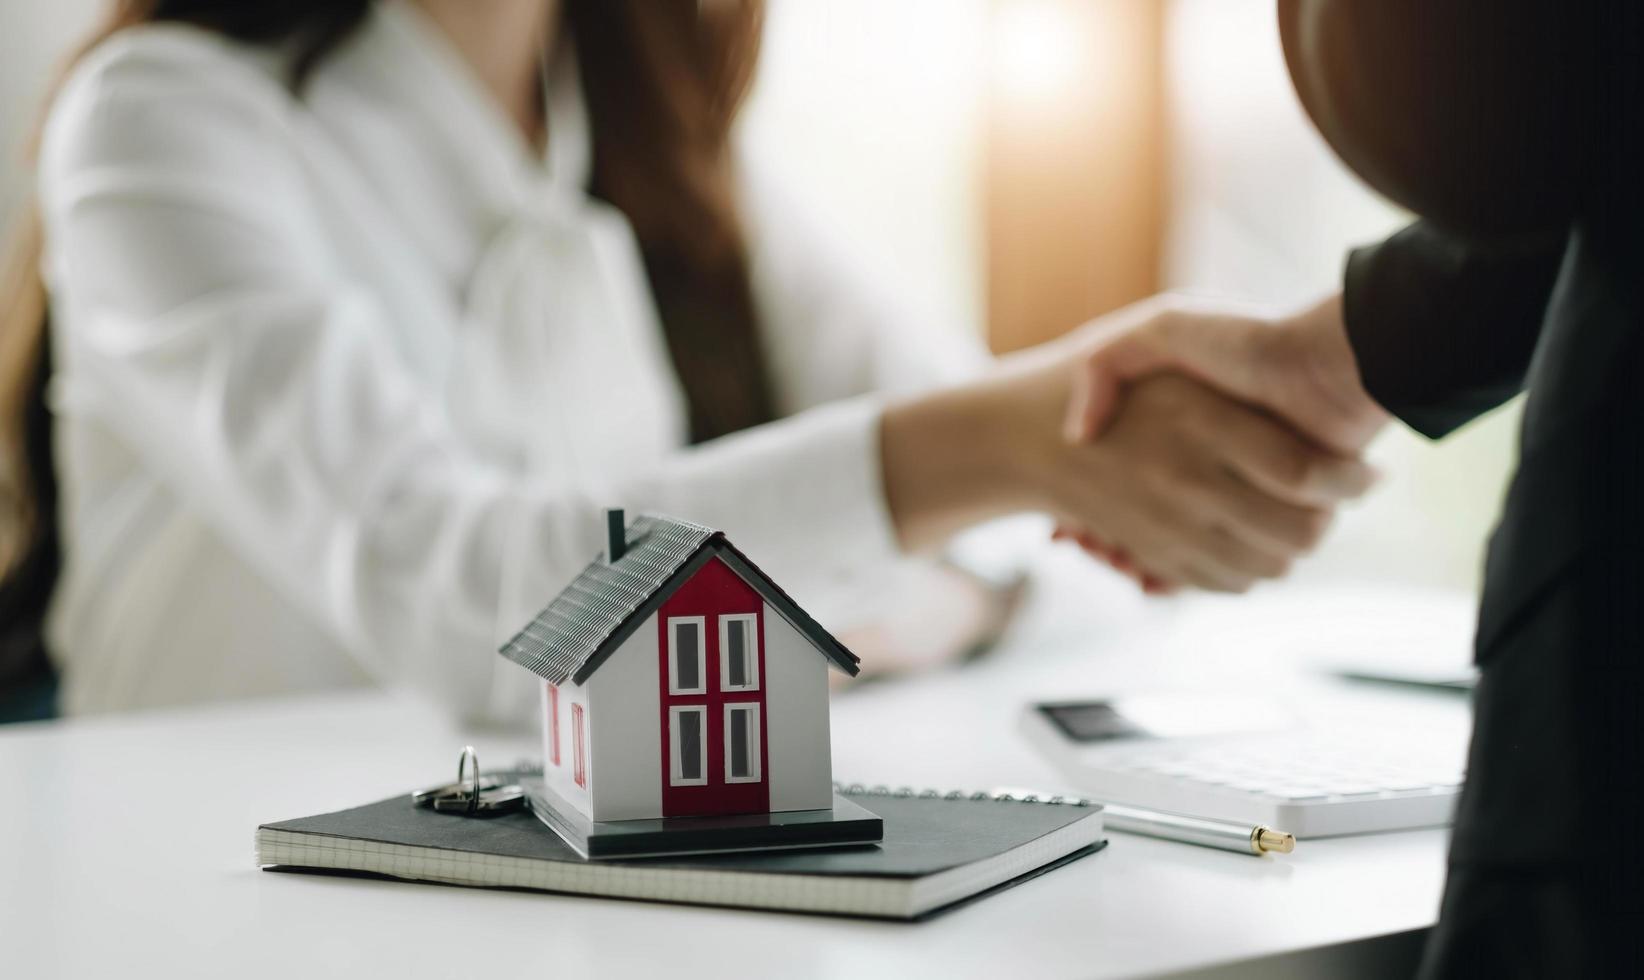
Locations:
(1224, 834)
(1229, 836)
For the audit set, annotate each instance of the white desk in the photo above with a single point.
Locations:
(126, 843)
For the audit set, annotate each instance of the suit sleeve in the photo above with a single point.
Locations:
(1443, 327)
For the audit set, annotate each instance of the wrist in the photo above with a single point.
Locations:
(1322, 353)
(954, 458)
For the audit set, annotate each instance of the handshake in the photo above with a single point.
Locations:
(1184, 445)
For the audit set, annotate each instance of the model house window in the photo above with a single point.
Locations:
(739, 652)
(686, 670)
(742, 743)
(687, 731)
(579, 749)
(553, 724)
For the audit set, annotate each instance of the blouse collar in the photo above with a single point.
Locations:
(437, 82)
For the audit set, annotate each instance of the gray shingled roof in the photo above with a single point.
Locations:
(605, 603)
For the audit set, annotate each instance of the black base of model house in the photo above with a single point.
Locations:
(845, 824)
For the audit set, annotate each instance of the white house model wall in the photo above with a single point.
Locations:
(627, 730)
(560, 776)
(798, 743)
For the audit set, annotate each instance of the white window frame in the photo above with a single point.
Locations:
(725, 621)
(675, 777)
(701, 624)
(754, 753)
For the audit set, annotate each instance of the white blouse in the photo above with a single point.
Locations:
(344, 381)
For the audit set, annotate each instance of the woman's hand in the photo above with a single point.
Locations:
(1189, 485)
(1197, 489)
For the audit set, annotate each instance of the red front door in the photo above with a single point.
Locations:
(712, 682)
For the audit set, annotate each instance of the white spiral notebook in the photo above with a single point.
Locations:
(939, 851)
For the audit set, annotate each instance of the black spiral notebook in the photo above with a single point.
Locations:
(938, 852)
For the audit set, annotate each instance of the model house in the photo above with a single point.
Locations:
(679, 680)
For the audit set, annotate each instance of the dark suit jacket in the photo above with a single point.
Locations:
(1513, 127)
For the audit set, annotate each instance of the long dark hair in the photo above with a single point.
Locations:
(663, 80)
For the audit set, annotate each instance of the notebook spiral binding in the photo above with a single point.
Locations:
(908, 792)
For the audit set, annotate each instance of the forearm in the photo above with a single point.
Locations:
(948, 463)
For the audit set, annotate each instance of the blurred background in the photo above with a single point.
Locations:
(1014, 167)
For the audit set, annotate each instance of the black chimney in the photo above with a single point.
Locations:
(616, 534)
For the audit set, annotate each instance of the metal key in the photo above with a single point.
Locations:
(428, 796)
(502, 799)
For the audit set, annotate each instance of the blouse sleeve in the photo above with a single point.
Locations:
(198, 300)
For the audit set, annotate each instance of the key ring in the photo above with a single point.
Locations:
(474, 794)
(469, 755)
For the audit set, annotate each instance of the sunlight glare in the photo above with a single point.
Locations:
(1035, 50)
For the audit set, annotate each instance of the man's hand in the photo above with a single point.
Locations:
(1299, 367)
